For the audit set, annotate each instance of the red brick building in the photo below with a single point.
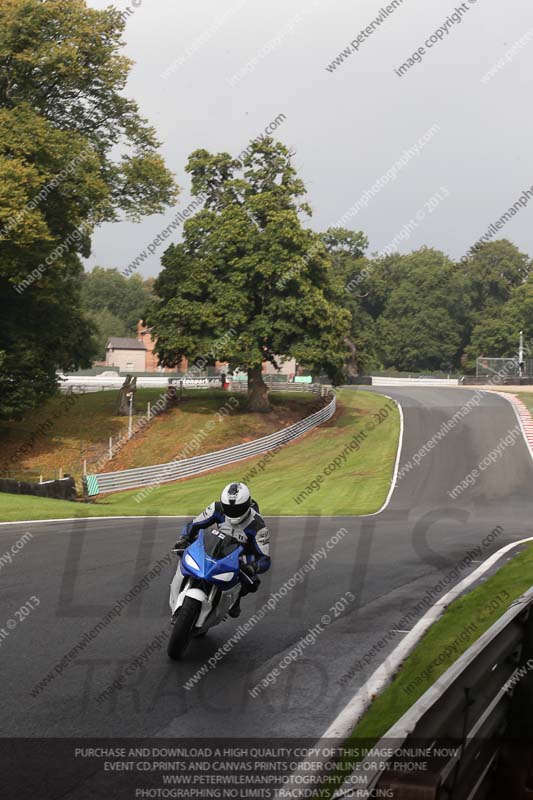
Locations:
(144, 335)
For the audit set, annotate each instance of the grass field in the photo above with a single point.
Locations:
(474, 612)
(67, 430)
(358, 485)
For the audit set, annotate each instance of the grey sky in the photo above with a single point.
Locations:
(350, 126)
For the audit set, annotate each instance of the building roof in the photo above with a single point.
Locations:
(123, 343)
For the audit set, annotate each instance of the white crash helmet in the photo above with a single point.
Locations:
(236, 502)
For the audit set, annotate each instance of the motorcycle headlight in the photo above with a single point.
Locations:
(225, 576)
(189, 560)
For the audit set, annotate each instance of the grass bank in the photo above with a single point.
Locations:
(69, 429)
(463, 622)
(344, 467)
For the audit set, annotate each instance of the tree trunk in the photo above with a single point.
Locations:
(129, 385)
(351, 361)
(257, 391)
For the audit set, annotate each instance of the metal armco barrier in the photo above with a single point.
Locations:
(165, 473)
(435, 382)
(478, 714)
(98, 383)
(242, 386)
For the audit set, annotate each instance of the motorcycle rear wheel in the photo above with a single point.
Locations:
(184, 622)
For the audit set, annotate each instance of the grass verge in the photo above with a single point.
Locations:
(463, 622)
(358, 485)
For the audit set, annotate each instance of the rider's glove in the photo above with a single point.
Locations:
(180, 545)
(249, 572)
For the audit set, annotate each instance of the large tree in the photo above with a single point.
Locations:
(63, 119)
(249, 283)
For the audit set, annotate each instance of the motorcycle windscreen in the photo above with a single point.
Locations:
(223, 553)
(219, 545)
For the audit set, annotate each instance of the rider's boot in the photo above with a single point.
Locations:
(235, 610)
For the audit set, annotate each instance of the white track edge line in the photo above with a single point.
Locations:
(396, 463)
(85, 519)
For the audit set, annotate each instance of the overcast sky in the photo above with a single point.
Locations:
(348, 126)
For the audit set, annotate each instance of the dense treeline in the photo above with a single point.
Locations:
(247, 262)
(417, 312)
(422, 311)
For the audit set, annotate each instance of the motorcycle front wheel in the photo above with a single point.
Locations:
(184, 622)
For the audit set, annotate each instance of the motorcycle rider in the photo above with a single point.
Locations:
(237, 508)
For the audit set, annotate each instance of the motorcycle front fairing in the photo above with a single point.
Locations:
(209, 573)
(214, 557)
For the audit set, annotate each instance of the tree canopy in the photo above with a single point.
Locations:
(497, 280)
(352, 281)
(423, 318)
(114, 303)
(63, 119)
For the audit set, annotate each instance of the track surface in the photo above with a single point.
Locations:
(79, 569)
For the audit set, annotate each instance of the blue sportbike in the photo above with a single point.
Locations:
(205, 586)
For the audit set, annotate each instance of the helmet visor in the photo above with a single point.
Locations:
(235, 510)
